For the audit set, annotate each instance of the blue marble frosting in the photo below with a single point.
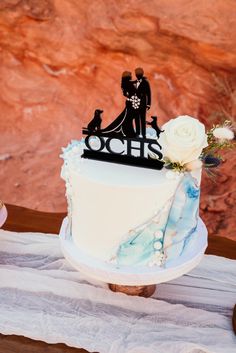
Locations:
(139, 247)
(183, 216)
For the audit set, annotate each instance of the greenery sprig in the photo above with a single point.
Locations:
(177, 167)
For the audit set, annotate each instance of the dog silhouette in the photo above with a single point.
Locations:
(154, 125)
(95, 123)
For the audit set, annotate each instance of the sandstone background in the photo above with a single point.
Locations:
(61, 59)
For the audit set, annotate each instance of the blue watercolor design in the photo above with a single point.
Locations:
(138, 249)
(183, 216)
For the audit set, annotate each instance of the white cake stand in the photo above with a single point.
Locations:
(134, 280)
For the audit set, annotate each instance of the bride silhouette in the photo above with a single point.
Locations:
(123, 124)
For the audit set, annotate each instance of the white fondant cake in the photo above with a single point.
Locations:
(127, 215)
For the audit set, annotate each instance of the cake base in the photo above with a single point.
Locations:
(134, 275)
(140, 291)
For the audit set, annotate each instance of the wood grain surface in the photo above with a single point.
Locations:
(21, 219)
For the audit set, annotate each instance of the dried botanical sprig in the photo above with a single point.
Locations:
(174, 166)
(212, 173)
(216, 144)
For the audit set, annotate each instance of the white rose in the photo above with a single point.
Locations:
(183, 139)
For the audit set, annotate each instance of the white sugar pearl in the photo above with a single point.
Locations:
(158, 234)
(157, 245)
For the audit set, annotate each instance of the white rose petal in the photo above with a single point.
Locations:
(183, 139)
(223, 133)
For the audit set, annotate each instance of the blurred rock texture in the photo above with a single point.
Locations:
(61, 59)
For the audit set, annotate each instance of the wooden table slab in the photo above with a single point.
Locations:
(21, 219)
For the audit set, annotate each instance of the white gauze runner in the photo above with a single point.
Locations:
(44, 298)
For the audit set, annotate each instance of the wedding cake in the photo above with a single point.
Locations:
(133, 192)
(127, 215)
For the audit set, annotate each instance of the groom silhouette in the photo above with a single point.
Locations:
(143, 92)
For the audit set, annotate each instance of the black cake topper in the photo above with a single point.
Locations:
(124, 140)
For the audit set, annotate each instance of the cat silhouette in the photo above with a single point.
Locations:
(154, 125)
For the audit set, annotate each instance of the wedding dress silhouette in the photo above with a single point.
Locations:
(123, 124)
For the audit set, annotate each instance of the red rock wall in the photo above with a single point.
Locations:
(61, 59)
